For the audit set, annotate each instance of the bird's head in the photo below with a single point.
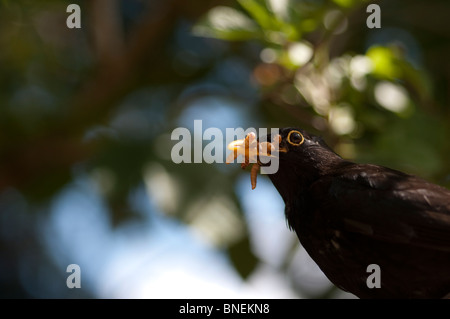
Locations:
(302, 157)
(300, 152)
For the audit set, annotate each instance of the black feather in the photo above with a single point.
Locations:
(348, 216)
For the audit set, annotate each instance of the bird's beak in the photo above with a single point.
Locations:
(250, 148)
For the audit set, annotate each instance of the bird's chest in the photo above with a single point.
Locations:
(332, 248)
(321, 237)
(317, 231)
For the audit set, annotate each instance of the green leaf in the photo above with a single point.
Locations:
(258, 11)
(384, 62)
(347, 3)
(227, 24)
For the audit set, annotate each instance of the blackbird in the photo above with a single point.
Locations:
(349, 216)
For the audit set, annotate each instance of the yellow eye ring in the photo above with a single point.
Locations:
(297, 140)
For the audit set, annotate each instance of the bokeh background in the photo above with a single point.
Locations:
(86, 117)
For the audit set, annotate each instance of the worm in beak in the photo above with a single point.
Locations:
(251, 149)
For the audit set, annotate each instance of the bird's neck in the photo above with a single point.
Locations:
(292, 179)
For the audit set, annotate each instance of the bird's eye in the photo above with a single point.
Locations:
(295, 138)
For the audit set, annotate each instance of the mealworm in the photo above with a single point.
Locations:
(245, 164)
(266, 147)
(232, 157)
(276, 140)
(253, 174)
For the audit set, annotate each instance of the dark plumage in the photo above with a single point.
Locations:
(348, 216)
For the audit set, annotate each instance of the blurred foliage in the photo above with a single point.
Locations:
(371, 92)
(101, 101)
